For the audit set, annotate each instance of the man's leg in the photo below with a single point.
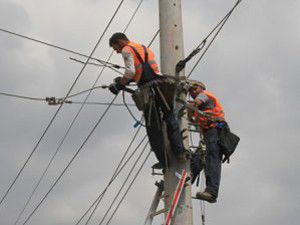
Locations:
(174, 133)
(213, 161)
(155, 134)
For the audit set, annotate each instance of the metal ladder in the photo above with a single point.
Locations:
(159, 195)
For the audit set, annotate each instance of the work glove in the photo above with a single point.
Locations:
(115, 88)
(118, 80)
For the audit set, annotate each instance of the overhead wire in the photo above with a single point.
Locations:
(122, 186)
(116, 173)
(22, 97)
(100, 197)
(94, 64)
(70, 162)
(103, 62)
(58, 110)
(220, 25)
(129, 110)
(127, 190)
(135, 11)
(99, 40)
(59, 100)
(63, 139)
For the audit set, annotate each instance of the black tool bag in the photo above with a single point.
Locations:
(228, 142)
(141, 97)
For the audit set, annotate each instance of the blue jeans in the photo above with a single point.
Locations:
(213, 161)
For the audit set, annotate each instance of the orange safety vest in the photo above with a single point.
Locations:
(215, 113)
(138, 65)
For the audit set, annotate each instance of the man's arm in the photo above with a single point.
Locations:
(129, 67)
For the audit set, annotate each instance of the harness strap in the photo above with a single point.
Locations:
(138, 55)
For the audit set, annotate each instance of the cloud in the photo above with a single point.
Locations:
(252, 67)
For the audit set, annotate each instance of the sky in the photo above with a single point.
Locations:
(252, 68)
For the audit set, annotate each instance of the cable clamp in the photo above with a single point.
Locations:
(56, 101)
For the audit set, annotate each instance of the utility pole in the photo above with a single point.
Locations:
(171, 52)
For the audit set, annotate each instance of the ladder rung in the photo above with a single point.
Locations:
(159, 174)
(163, 196)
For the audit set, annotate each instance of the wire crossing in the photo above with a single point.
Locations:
(62, 141)
(127, 190)
(58, 110)
(70, 162)
(122, 186)
(117, 171)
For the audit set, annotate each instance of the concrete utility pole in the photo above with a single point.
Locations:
(171, 52)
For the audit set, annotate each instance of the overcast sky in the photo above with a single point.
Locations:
(253, 68)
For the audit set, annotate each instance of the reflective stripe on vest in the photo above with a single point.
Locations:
(137, 64)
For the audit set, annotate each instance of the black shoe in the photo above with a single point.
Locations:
(206, 196)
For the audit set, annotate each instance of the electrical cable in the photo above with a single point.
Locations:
(129, 110)
(70, 162)
(122, 186)
(95, 64)
(74, 121)
(105, 63)
(116, 173)
(66, 102)
(58, 110)
(153, 39)
(99, 199)
(220, 25)
(138, 172)
(22, 97)
(101, 103)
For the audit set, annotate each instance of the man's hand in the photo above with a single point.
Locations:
(118, 80)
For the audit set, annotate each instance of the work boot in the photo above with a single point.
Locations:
(206, 196)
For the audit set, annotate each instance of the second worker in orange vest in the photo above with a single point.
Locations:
(210, 119)
(141, 67)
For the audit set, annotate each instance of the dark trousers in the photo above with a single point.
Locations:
(153, 115)
(213, 161)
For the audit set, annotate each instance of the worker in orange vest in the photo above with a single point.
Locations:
(142, 68)
(210, 119)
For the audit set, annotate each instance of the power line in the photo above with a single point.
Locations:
(95, 64)
(22, 97)
(104, 63)
(220, 25)
(74, 121)
(59, 100)
(122, 186)
(129, 110)
(130, 185)
(56, 113)
(70, 162)
(115, 174)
